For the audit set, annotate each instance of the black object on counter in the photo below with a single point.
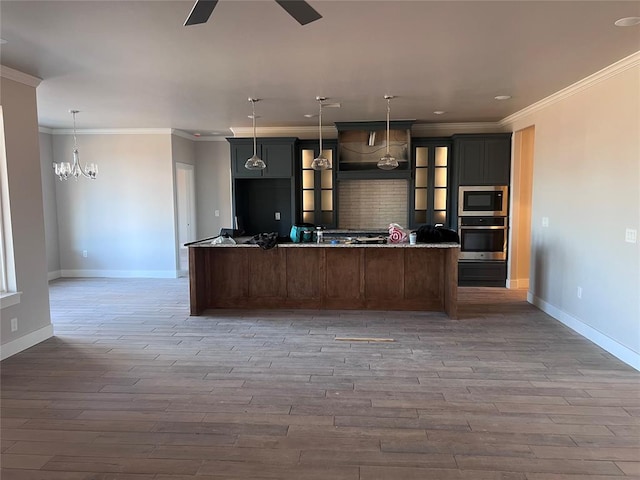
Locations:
(264, 240)
(431, 234)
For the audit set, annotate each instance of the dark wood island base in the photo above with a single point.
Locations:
(335, 277)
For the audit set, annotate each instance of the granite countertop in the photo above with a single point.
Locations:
(334, 245)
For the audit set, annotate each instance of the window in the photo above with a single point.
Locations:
(8, 294)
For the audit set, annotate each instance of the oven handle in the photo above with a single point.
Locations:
(488, 227)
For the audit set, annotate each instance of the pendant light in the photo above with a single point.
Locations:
(388, 162)
(65, 170)
(320, 162)
(255, 162)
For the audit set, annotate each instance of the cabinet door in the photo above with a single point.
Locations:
(318, 192)
(497, 161)
(240, 152)
(279, 160)
(471, 157)
(430, 203)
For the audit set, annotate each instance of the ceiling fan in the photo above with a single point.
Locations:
(298, 9)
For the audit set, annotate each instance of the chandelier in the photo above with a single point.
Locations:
(388, 162)
(64, 170)
(255, 162)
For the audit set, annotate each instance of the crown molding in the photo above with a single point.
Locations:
(17, 76)
(201, 138)
(210, 138)
(45, 130)
(446, 129)
(181, 134)
(113, 131)
(328, 131)
(612, 70)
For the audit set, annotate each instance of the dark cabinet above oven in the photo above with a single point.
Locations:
(483, 159)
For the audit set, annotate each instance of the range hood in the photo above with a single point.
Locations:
(361, 144)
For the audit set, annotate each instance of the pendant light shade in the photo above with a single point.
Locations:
(255, 162)
(320, 162)
(388, 162)
(65, 170)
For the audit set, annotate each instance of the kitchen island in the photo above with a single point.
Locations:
(422, 277)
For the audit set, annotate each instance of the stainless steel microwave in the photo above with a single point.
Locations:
(484, 201)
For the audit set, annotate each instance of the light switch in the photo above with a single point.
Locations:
(631, 235)
(545, 221)
(277, 215)
(216, 213)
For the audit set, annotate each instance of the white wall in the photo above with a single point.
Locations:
(213, 187)
(183, 150)
(50, 210)
(27, 219)
(125, 218)
(586, 180)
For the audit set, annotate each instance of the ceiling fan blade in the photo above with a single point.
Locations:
(300, 10)
(201, 12)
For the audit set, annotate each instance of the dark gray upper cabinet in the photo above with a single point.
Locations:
(279, 159)
(277, 152)
(482, 159)
(241, 150)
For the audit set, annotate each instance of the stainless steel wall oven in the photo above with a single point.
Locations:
(483, 238)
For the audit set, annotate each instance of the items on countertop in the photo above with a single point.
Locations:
(223, 240)
(397, 234)
(264, 240)
(431, 234)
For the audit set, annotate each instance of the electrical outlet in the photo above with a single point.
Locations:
(579, 292)
(216, 213)
(545, 221)
(631, 235)
(84, 253)
(14, 324)
(277, 215)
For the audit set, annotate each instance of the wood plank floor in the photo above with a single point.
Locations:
(132, 388)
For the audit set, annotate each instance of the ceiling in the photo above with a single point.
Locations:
(132, 64)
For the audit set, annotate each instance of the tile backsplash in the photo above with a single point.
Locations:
(372, 204)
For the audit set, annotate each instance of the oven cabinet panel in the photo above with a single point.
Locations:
(482, 159)
(482, 274)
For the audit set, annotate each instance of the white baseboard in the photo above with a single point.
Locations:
(616, 349)
(518, 283)
(121, 273)
(55, 274)
(27, 341)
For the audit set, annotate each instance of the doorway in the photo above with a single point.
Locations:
(518, 267)
(186, 208)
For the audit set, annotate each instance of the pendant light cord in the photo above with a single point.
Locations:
(75, 139)
(388, 114)
(320, 127)
(253, 117)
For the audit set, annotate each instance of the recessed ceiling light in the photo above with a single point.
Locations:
(310, 115)
(502, 97)
(627, 22)
(196, 134)
(439, 112)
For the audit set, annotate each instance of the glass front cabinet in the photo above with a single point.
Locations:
(430, 202)
(317, 187)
